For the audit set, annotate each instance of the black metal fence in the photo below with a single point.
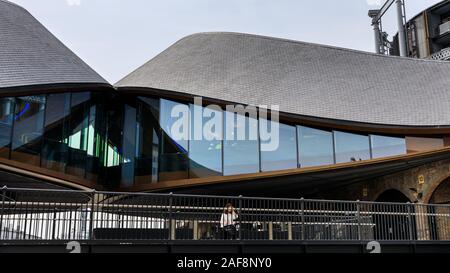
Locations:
(30, 214)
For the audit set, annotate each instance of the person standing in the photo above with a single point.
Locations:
(228, 222)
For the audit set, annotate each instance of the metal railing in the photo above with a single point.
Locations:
(30, 214)
(443, 55)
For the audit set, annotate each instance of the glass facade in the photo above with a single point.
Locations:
(55, 148)
(78, 131)
(240, 148)
(125, 142)
(351, 147)
(174, 121)
(6, 125)
(422, 144)
(315, 147)
(28, 129)
(205, 146)
(383, 146)
(147, 141)
(285, 154)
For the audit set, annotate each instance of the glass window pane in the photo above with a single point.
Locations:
(6, 121)
(205, 146)
(28, 129)
(80, 98)
(55, 148)
(383, 146)
(94, 140)
(315, 147)
(422, 144)
(113, 157)
(351, 147)
(285, 155)
(241, 155)
(147, 142)
(174, 121)
(129, 148)
(78, 134)
(173, 114)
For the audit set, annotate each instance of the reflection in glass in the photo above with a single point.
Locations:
(205, 146)
(113, 157)
(422, 144)
(28, 129)
(241, 155)
(129, 148)
(78, 134)
(383, 146)
(351, 147)
(285, 156)
(102, 139)
(315, 147)
(94, 141)
(6, 123)
(55, 148)
(174, 118)
(147, 141)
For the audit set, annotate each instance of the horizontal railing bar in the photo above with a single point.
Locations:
(280, 212)
(53, 214)
(130, 194)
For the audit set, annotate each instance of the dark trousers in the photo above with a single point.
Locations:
(229, 232)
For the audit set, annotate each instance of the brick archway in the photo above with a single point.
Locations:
(440, 192)
(393, 195)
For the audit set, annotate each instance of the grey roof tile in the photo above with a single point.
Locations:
(303, 78)
(31, 55)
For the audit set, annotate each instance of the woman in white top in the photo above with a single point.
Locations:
(228, 222)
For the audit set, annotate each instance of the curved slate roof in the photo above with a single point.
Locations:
(31, 55)
(303, 78)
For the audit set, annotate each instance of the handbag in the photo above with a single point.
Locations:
(231, 229)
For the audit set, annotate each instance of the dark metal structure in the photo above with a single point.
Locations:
(64, 215)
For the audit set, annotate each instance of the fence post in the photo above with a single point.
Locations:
(24, 237)
(240, 217)
(4, 188)
(302, 207)
(91, 216)
(290, 231)
(54, 224)
(410, 226)
(358, 217)
(170, 216)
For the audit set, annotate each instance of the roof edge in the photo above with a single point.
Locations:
(358, 126)
(355, 51)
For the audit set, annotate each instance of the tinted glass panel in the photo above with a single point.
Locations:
(174, 121)
(285, 155)
(205, 146)
(421, 144)
(6, 121)
(241, 155)
(173, 114)
(113, 158)
(351, 147)
(28, 129)
(55, 147)
(383, 146)
(315, 147)
(94, 147)
(129, 148)
(147, 142)
(78, 134)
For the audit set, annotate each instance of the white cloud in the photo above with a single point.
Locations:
(73, 2)
(374, 2)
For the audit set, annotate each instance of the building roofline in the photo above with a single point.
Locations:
(372, 54)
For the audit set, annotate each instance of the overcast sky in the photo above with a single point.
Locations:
(117, 36)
